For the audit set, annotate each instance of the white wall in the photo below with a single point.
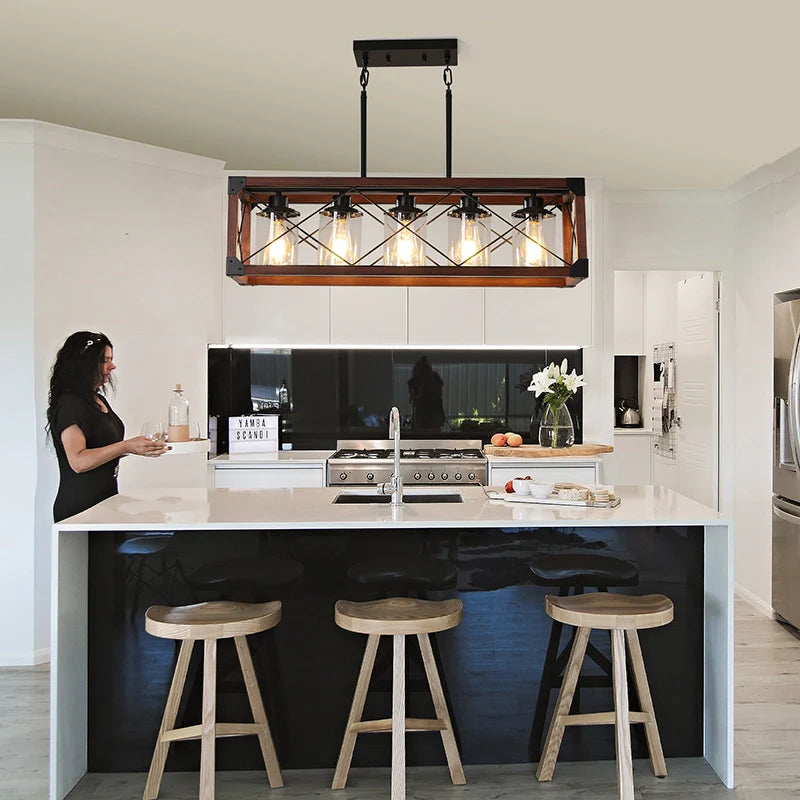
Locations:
(766, 258)
(17, 401)
(126, 240)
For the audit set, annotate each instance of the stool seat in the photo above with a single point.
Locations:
(145, 545)
(220, 619)
(264, 571)
(611, 611)
(398, 615)
(583, 569)
(404, 573)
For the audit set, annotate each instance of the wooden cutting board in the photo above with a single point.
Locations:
(537, 451)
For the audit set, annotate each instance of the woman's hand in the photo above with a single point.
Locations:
(143, 446)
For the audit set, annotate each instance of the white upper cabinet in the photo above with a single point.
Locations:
(446, 316)
(277, 315)
(629, 313)
(539, 317)
(369, 315)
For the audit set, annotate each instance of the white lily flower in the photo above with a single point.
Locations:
(552, 371)
(573, 381)
(541, 383)
(564, 367)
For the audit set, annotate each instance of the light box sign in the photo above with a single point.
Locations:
(253, 434)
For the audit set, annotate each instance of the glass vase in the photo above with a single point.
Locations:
(555, 429)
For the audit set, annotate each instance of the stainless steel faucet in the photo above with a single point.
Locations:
(395, 485)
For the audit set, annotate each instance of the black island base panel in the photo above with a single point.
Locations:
(307, 667)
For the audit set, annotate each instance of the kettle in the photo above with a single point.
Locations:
(629, 414)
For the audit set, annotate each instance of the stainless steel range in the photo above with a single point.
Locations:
(366, 462)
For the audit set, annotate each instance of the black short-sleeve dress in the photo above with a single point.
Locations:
(78, 491)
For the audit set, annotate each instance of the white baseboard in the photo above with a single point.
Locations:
(754, 600)
(27, 659)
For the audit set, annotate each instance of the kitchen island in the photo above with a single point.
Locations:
(681, 548)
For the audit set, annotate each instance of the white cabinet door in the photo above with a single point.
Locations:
(278, 315)
(374, 315)
(442, 316)
(630, 463)
(539, 317)
(268, 477)
(565, 473)
(628, 313)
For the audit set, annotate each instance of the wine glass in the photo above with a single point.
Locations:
(194, 432)
(154, 431)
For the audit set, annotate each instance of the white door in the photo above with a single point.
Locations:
(696, 402)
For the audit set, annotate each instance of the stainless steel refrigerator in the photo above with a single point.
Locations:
(786, 458)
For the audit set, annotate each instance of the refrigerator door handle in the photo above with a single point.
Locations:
(781, 514)
(792, 403)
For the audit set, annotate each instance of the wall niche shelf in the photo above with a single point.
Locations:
(249, 201)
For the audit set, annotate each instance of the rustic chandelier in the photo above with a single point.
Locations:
(418, 231)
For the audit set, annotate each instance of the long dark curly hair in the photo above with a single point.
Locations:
(78, 368)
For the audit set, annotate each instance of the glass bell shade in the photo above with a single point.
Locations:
(339, 233)
(531, 241)
(281, 249)
(404, 228)
(468, 234)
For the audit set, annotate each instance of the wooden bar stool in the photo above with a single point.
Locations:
(622, 615)
(210, 622)
(572, 573)
(398, 617)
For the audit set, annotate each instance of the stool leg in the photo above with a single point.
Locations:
(622, 723)
(442, 713)
(259, 716)
(646, 702)
(356, 710)
(546, 683)
(554, 735)
(399, 718)
(209, 723)
(168, 721)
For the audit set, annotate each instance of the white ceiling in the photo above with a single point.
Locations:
(690, 93)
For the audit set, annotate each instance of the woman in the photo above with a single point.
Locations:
(87, 434)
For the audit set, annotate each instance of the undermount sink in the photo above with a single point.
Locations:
(408, 497)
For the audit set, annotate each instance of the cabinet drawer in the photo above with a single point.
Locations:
(498, 476)
(268, 478)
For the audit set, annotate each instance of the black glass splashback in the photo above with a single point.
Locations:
(325, 395)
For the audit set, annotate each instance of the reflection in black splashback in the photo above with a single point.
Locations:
(347, 394)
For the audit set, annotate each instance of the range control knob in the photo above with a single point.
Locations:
(445, 476)
(471, 476)
(417, 476)
(431, 476)
(370, 476)
(342, 476)
(457, 476)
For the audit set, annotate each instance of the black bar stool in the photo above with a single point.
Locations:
(572, 572)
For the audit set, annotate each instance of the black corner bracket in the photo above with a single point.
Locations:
(233, 267)
(577, 186)
(236, 184)
(580, 268)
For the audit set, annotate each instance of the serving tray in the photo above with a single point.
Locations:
(553, 500)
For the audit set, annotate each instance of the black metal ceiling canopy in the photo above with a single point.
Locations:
(406, 52)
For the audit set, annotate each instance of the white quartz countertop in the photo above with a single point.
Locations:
(542, 461)
(307, 508)
(281, 457)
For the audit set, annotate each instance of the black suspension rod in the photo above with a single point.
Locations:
(448, 119)
(364, 80)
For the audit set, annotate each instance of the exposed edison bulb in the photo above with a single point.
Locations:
(340, 241)
(530, 252)
(281, 249)
(469, 243)
(405, 247)
(405, 227)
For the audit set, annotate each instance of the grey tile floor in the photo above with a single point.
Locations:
(767, 741)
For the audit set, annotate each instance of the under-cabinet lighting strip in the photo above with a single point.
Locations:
(427, 346)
